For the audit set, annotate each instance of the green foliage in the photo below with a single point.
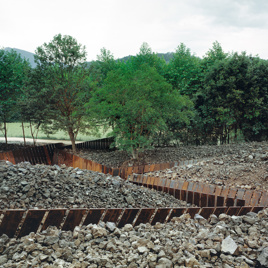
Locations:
(137, 102)
(62, 78)
(13, 74)
(183, 71)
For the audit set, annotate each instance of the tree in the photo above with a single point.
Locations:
(63, 74)
(13, 75)
(137, 104)
(183, 71)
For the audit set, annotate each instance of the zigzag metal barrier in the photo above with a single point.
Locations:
(18, 222)
(34, 155)
(209, 199)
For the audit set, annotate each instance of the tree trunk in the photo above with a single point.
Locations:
(72, 138)
(23, 133)
(5, 130)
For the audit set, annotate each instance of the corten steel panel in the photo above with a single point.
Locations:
(233, 211)
(166, 188)
(128, 216)
(212, 189)
(84, 164)
(225, 191)
(152, 167)
(144, 216)
(257, 209)
(89, 165)
(32, 221)
(156, 182)
(112, 214)
(177, 194)
(43, 155)
(73, 219)
(172, 187)
(135, 169)
(244, 210)
(240, 193)
(28, 155)
(140, 169)
(157, 167)
(220, 201)
(162, 184)
(197, 198)
(17, 156)
(135, 178)
(185, 185)
(146, 181)
(195, 186)
(190, 186)
(220, 210)
(146, 168)
(199, 187)
(206, 212)
(47, 155)
(218, 190)
(122, 173)
(10, 222)
(190, 197)
(67, 159)
(192, 211)
(130, 177)
(180, 184)
(94, 215)
(35, 155)
(247, 197)
(176, 212)
(115, 171)
(211, 200)
(139, 179)
(129, 170)
(240, 202)
(203, 200)
(232, 193)
(151, 182)
(264, 199)
(255, 198)
(205, 189)
(229, 202)
(183, 195)
(160, 215)
(54, 218)
(76, 161)
(11, 157)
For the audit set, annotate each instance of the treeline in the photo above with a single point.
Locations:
(144, 100)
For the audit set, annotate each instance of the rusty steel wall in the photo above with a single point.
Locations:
(34, 155)
(17, 222)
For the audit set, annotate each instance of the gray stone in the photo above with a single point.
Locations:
(263, 257)
(228, 245)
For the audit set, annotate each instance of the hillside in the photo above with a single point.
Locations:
(24, 54)
(30, 56)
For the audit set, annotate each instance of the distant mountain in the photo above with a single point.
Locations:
(24, 54)
(30, 56)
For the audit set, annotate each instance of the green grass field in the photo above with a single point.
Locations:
(15, 130)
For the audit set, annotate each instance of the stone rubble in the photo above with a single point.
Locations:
(40, 186)
(224, 241)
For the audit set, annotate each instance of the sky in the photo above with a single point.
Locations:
(121, 26)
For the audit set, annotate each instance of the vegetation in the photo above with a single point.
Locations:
(145, 100)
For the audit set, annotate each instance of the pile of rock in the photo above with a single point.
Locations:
(39, 186)
(224, 241)
(246, 151)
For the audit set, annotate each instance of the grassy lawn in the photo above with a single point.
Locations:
(15, 130)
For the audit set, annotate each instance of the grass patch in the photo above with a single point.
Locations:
(15, 130)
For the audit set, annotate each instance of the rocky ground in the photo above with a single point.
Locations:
(39, 186)
(224, 241)
(242, 165)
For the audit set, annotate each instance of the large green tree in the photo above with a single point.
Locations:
(136, 102)
(13, 75)
(63, 75)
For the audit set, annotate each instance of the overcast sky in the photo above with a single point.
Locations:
(123, 25)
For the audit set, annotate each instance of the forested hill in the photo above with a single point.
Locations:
(24, 54)
(30, 56)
